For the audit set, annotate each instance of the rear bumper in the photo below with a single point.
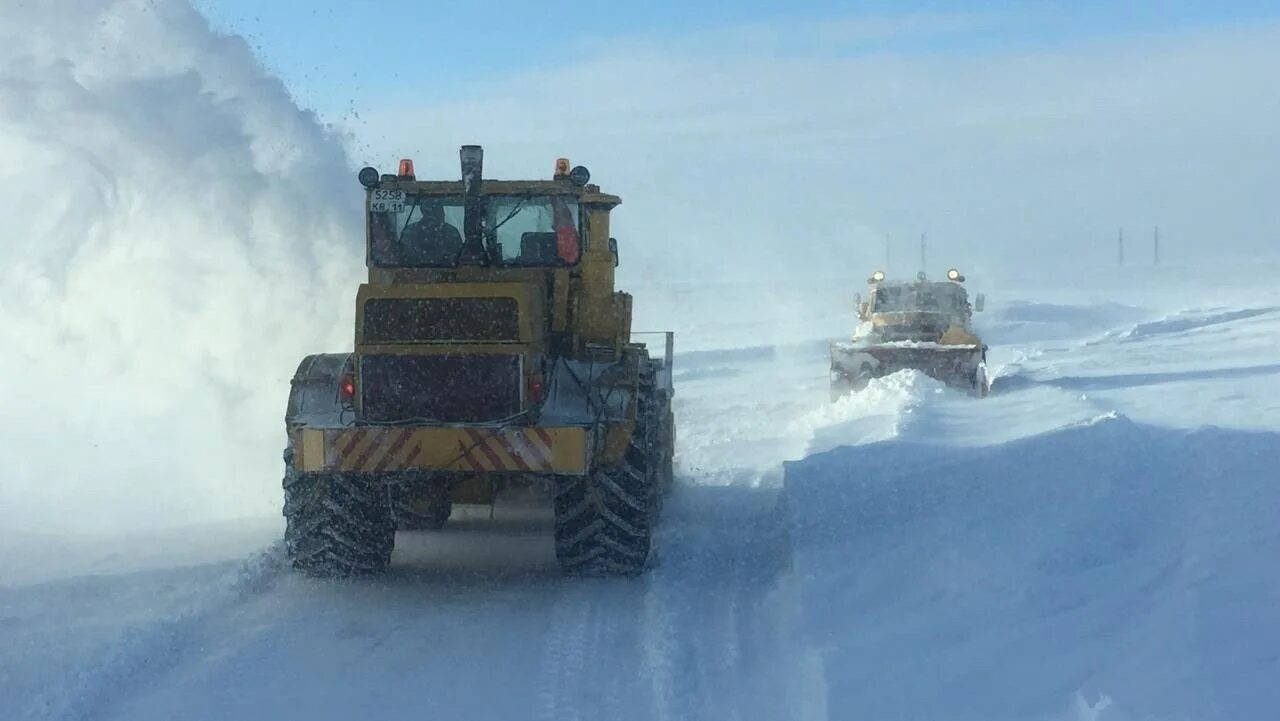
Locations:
(459, 449)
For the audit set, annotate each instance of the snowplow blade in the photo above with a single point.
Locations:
(388, 449)
(960, 366)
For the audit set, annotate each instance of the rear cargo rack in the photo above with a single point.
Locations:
(669, 350)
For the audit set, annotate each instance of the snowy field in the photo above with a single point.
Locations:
(1096, 540)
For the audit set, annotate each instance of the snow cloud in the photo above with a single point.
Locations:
(176, 235)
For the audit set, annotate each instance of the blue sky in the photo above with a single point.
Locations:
(335, 55)
(1011, 133)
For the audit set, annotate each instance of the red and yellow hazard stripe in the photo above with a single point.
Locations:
(527, 449)
(477, 450)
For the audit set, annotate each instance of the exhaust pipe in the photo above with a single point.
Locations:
(473, 248)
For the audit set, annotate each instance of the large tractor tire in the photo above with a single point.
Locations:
(605, 519)
(336, 525)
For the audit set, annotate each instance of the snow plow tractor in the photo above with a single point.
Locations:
(492, 353)
(925, 325)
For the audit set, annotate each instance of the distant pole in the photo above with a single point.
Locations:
(923, 258)
(888, 252)
(1155, 247)
(1120, 248)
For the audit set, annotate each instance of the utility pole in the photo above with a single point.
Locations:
(1155, 247)
(888, 253)
(1120, 248)
(923, 258)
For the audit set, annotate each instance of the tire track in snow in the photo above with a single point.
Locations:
(592, 666)
(564, 656)
(659, 644)
(612, 652)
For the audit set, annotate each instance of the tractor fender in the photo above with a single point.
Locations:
(315, 398)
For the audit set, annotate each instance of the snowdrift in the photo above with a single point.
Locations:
(1109, 569)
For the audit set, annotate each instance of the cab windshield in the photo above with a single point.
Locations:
(426, 231)
(936, 298)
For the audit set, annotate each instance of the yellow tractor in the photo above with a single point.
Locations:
(925, 325)
(492, 353)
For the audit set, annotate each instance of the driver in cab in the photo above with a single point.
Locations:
(431, 240)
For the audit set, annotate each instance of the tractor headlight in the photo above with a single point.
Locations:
(877, 276)
(954, 274)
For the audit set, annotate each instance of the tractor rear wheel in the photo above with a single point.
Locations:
(336, 524)
(605, 519)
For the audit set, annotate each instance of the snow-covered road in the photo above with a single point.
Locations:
(475, 622)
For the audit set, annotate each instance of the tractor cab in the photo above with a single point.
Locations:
(527, 224)
(921, 310)
(482, 292)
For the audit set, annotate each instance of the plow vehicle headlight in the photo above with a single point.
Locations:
(368, 177)
(954, 274)
(877, 276)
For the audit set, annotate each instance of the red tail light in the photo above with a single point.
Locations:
(347, 386)
(535, 388)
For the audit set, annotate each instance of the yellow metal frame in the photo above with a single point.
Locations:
(583, 305)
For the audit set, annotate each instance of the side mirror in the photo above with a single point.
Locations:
(613, 248)
(863, 307)
(857, 300)
(979, 302)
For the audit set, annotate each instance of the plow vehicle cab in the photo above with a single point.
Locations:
(491, 352)
(925, 325)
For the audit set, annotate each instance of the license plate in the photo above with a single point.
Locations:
(386, 201)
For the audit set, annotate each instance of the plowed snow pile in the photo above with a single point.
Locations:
(1041, 555)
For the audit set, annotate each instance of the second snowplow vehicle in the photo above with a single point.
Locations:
(491, 351)
(925, 325)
